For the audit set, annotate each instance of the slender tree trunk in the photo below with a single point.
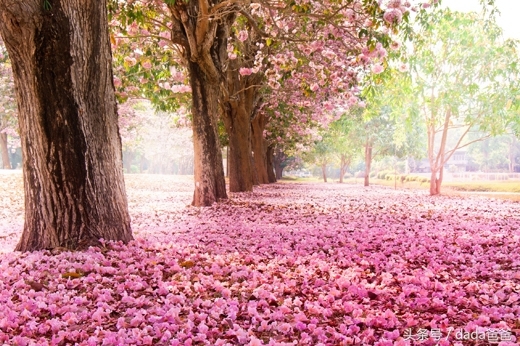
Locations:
(324, 172)
(270, 164)
(368, 162)
(343, 166)
(4, 151)
(512, 147)
(436, 181)
(210, 184)
(72, 159)
(259, 150)
(438, 161)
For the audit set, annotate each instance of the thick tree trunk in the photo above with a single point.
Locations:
(210, 184)
(72, 160)
(238, 128)
(237, 106)
(368, 162)
(4, 151)
(324, 172)
(278, 170)
(278, 161)
(270, 164)
(259, 150)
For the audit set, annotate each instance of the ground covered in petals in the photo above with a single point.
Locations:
(290, 263)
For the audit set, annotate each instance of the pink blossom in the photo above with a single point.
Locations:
(245, 71)
(393, 16)
(242, 35)
(377, 68)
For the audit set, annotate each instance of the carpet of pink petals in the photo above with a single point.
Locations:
(289, 264)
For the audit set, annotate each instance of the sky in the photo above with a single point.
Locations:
(508, 18)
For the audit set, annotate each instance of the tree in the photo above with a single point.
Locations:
(200, 32)
(72, 166)
(321, 154)
(464, 76)
(344, 140)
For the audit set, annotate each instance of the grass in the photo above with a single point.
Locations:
(485, 186)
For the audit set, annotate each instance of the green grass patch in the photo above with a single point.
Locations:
(485, 186)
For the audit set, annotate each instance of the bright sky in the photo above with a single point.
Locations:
(508, 18)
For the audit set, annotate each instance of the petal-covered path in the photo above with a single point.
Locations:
(306, 264)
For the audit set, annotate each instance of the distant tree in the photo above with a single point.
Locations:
(345, 142)
(464, 76)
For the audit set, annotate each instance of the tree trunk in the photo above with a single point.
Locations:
(72, 159)
(210, 184)
(270, 164)
(511, 155)
(278, 161)
(342, 169)
(4, 151)
(238, 128)
(259, 150)
(324, 172)
(436, 181)
(237, 105)
(278, 170)
(368, 162)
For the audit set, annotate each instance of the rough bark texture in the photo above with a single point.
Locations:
(368, 162)
(270, 164)
(259, 149)
(203, 40)
(210, 185)
(72, 160)
(236, 114)
(6, 163)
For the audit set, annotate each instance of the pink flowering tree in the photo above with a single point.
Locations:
(246, 54)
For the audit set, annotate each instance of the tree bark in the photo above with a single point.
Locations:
(4, 151)
(270, 164)
(236, 114)
(436, 181)
(238, 128)
(72, 158)
(210, 184)
(259, 150)
(368, 162)
(278, 161)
